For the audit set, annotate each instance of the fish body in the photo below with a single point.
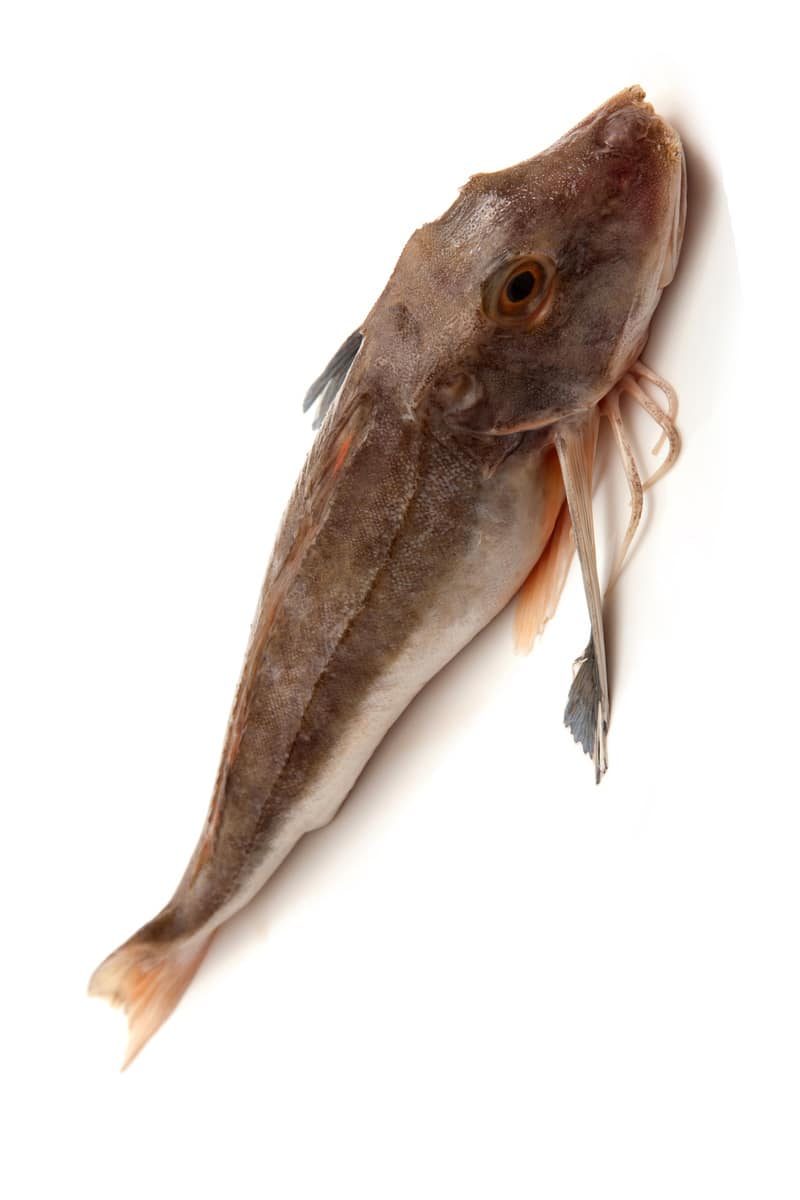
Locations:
(435, 486)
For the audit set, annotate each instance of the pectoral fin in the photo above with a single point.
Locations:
(587, 711)
(539, 595)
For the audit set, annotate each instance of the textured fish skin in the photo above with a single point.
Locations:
(430, 492)
(360, 624)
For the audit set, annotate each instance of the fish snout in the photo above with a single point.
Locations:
(627, 126)
(643, 158)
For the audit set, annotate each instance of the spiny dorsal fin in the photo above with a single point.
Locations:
(326, 385)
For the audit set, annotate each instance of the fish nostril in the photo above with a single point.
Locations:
(624, 127)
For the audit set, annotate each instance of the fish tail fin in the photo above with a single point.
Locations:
(147, 978)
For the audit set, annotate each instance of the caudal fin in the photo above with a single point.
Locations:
(147, 979)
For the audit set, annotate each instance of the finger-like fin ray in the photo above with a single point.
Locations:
(631, 385)
(612, 412)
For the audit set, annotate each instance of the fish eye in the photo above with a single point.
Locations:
(518, 294)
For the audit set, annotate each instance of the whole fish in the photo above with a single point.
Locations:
(451, 471)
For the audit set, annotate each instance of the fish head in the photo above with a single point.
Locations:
(533, 294)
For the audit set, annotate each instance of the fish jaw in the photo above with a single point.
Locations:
(665, 253)
(620, 125)
(678, 223)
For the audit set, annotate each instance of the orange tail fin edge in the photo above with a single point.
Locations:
(147, 980)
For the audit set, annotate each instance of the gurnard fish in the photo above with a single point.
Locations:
(452, 470)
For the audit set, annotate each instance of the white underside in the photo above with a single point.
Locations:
(489, 577)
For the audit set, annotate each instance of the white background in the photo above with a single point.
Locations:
(487, 977)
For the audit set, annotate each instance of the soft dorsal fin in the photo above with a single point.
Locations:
(325, 387)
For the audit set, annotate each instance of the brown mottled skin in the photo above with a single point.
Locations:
(416, 517)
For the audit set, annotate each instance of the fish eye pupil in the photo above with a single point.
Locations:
(519, 287)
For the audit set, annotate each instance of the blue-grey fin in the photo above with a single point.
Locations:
(587, 709)
(583, 714)
(325, 387)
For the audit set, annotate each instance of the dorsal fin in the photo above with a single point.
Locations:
(326, 385)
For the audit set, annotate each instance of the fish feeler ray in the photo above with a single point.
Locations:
(634, 480)
(629, 386)
(610, 407)
(668, 391)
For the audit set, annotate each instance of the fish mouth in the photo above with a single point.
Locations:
(629, 130)
(629, 98)
(625, 120)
